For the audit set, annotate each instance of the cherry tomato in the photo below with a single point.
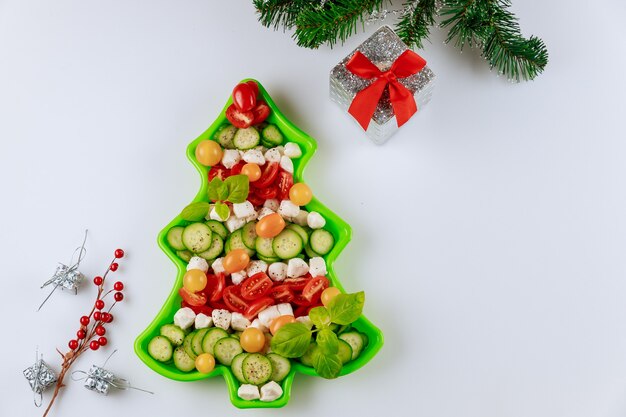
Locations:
(281, 294)
(204, 309)
(209, 153)
(255, 306)
(300, 194)
(252, 340)
(233, 300)
(215, 286)
(217, 171)
(285, 181)
(270, 225)
(256, 286)
(236, 260)
(296, 284)
(236, 169)
(254, 86)
(279, 322)
(205, 363)
(239, 118)
(252, 171)
(314, 288)
(266, 193)
(299, 300)
(244, 96)
(255, 200)
(194, 280)
(328, 294)
(191, 298)
(269, 175)
(260, 113)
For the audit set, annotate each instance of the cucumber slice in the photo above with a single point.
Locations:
(287, 244)
(160, 348)
(322, 241)
(236, 367)
(196, 342)
(307, 358)
(185, 255)
(256, 369)
(197, 237)
(344, 352)
(236, 335)
(187, 345)
(268, 259)
(211, 337)
(183, 361)
(263, 246)
(175, 238)
(217, 227)
(235, 241)
(175, 334)
(310, 252)
(301, 232)
(226, 349)
(272, 135)
(215, 250)
(248, 234)
(355, 340)
(246, 138)
(225, 135)
(365, 338)
(280, 366)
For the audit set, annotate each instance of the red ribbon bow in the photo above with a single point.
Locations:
(364, 103)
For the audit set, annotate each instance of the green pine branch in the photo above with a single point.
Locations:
(413, 28)
(277, 13)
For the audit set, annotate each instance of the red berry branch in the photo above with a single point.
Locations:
(91, 334)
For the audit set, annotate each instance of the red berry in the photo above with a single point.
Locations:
(100, 330)
(102, 341)
(94, 345)
(84, 320)
(81, 334)
(118, 296)
(98, 280)
(114, 266)
(73, 344)
(110, 318)
(97, 316)
(99, 304)
(107, 317)
(119, 253)
(118, 286)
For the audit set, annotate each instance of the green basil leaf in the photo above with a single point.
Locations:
(238, 188)
(195, 211)
(320, 317)
(222, 210)
(327, 366)
(346, 308)
(217, 189)
(327, 341)
(292, 340)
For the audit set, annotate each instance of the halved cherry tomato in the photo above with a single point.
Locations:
(218, 171)
(296, 284)
(204, 309)
(299, 300)
(238, 118)
(260, 112)
(285, 181)
(191, 298)
(256, 286)
(232, 299)
(215, 286)
(254, 86)
(269, 175)
(256, 306)
(301, 311)
(266, 193)
(313, 289)
(236, 169)
(255, 199)
(281, 294)
(244, 96)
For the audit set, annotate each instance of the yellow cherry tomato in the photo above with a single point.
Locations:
(205, 362)
(300, 194)
(235, 260)
(209, 153)
(194, 280)
(252, 340)
(279, 322)
(268, 344)
(252, 171)
(270, 225)
(328, 294)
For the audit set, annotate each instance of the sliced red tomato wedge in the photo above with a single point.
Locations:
(240, 119)
(281, 294)
(255, 200)
(296, 284)
(232, 299)
(266, 193)
(204, 309)
(256, 306)
(256, 286)
(313, 289)
(299, 300)
(218, 171)
(260, 112)
(301, 311)
(285, 181)
(268, 176)
(236, 169)
(214, 286)
(191, 298)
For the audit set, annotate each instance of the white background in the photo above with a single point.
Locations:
(489, 233)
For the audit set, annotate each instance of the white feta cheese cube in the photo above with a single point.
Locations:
(218, 266)
(301, 218)
(305, 320)
(315, 220)
(266, 316)
(254, 267)
(197, 262)
(273, 155)
(233, 223)
(296, 268)
(230, 158)
(265, 212)
(277, 271)
(221, 318)
(238, 321)
(285, 309)
(256, 323)
(214, 216)
(184, 318)
(271, 391)
(252, 217)
(317, 267)
(238, 277)
(248, 392)
(242, 210)
(272, 204)
(254, 156)
(202, 321)
(292, 150)
(288, 210)
(286, 163)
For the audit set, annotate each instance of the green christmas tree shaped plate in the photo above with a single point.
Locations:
(339, 229)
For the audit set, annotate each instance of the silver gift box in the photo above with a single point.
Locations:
(40, 376)
(100, 380)
(382, 48)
